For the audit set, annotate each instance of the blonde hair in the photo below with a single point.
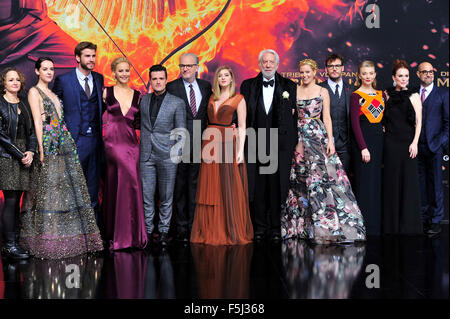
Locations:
(365, 64)
(310, 62)
(117, 61)
(217, 86)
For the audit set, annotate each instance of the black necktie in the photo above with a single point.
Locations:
(336, 92)
(267, 83)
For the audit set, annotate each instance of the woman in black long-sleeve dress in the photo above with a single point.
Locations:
(17, 146)
(402, 121)
(366, 111)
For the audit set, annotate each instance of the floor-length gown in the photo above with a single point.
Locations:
(401, 190)
(123, 211)
(222, 214)
(367, 111)
(320, 204)
(58, 220)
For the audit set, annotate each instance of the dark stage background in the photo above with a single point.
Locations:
(234, 32)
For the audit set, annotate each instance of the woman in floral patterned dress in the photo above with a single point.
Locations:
(320, 204)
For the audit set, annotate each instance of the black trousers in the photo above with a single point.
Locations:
(266, 205)
(344, 156)
(343, 150)
(185, 195)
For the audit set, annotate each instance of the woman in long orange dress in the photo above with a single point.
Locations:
(222, 214)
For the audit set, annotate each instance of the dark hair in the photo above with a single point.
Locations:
(157, 68)
(39, 61)
(3, 79)
(334, 56)
(399, 64)
(84, 45)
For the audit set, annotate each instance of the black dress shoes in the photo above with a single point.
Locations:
(434, 230)
(275, 238)
(164, 239)
(183, 237)
(258, 237)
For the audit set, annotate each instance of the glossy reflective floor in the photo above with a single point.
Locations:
(409, 268)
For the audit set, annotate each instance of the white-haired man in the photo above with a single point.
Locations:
(270, 102)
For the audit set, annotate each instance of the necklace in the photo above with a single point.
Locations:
(9, 101)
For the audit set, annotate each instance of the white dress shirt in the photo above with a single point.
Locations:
(197, 92)
(332, 85)
(429, 88)
(268, 94)
(82, 82)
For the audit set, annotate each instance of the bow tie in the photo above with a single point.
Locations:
(267, 83)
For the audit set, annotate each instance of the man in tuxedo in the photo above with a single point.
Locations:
(270, 102)
(163, 119)
(195, 94)
(81, 93)
(432, 141)
(339, 107)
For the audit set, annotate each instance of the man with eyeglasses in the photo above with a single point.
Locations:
(195, 94)
(432, 141)
(339, 107)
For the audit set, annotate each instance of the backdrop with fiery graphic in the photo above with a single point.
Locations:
(230, 32)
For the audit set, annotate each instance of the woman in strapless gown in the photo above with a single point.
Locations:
(222, 214)
(58, 220)
(320, 204)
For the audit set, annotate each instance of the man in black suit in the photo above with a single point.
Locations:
(270, 102)
(339, 107)
(195, 94)
(432, 142)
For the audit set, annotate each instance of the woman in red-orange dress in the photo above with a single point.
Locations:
(222, 214)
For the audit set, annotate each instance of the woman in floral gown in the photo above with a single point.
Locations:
(58, 219)
(320, 204)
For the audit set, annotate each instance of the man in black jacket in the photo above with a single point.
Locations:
(195, 94)
(339, 92)
(270, 102)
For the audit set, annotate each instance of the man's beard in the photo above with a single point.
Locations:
(335, 79)
(85, 67)
(268, 75)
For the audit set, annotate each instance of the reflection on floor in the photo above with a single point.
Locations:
(409, 267)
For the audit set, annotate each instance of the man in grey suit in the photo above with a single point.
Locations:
(163, 123)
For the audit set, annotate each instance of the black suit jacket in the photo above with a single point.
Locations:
(347, 90)
(176, 87)
(286, 119)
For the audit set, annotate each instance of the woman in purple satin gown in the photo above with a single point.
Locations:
(123, 212)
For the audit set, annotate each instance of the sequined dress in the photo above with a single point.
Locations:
(58, 220)
(320, 204)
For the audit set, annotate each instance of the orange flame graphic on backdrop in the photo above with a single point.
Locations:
(147, 30)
